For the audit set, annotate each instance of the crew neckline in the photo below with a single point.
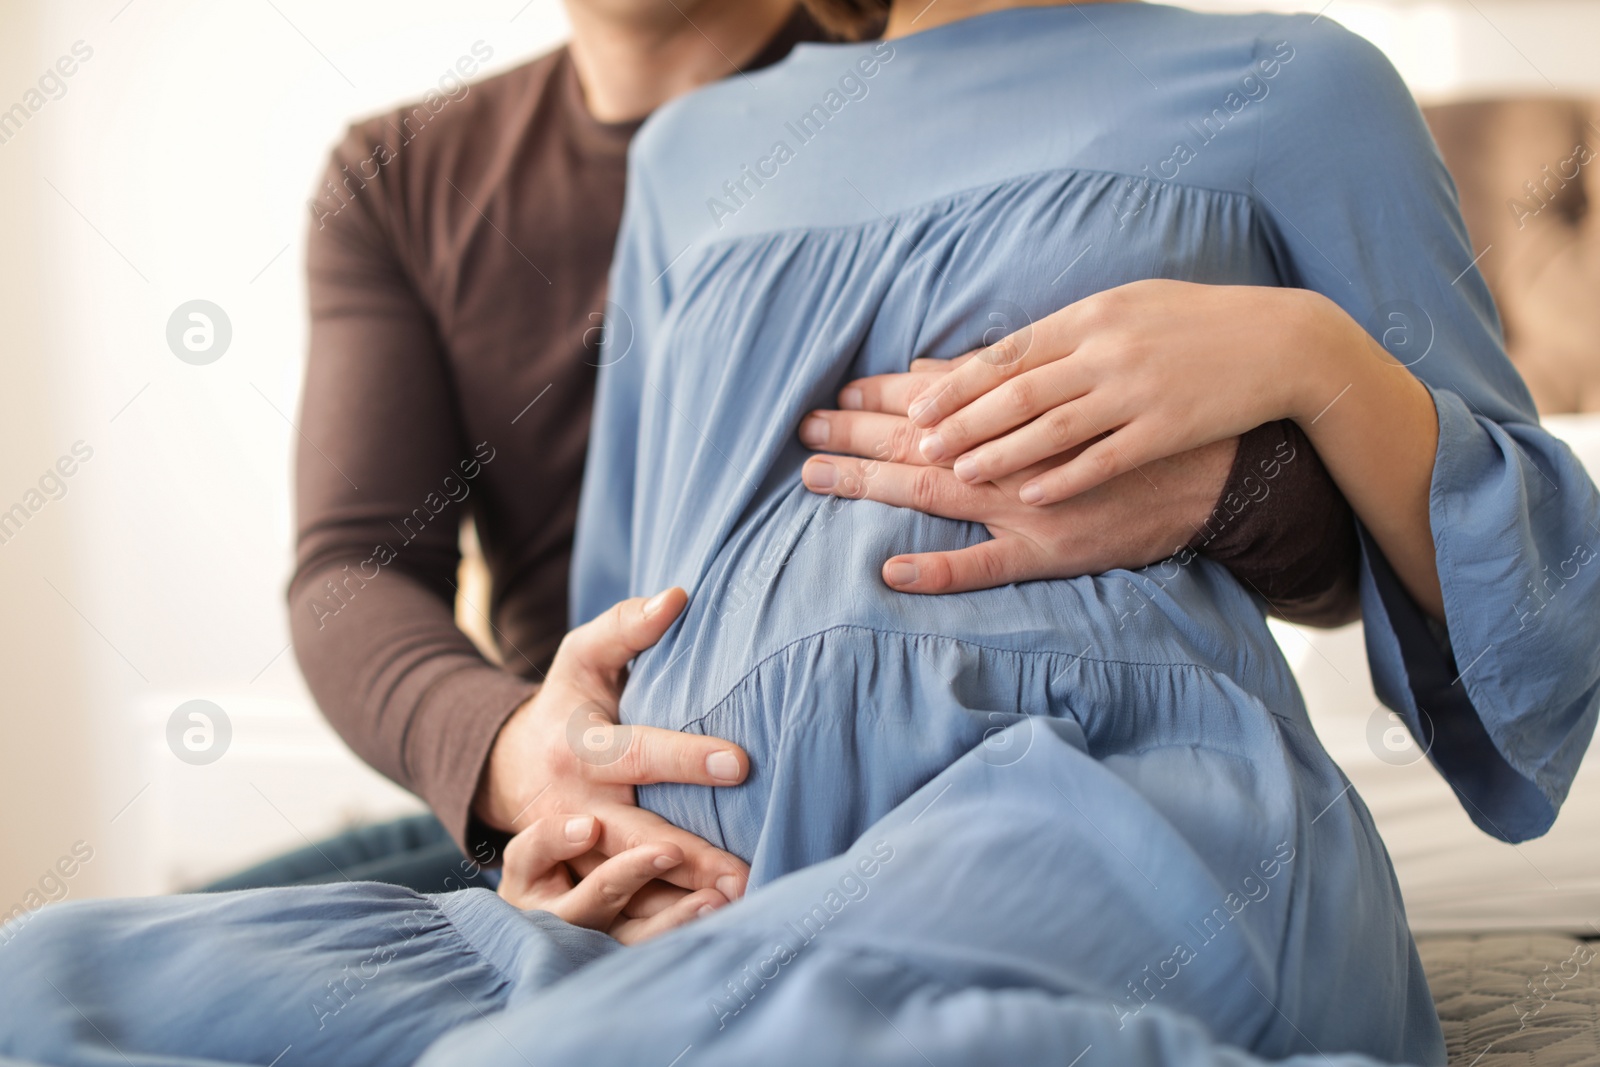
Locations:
(594, 133)
(796, 32)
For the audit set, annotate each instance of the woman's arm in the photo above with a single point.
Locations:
(1123, 379)
(1354, 203)
(1375, 427)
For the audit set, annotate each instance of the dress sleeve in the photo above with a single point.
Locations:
(1359, 207)
(638, 296)
(371, 602)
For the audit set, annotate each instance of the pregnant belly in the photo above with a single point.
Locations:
(849, 696)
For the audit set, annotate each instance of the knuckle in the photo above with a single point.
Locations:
(632, 759)
(1118, 297)
(1103, 462)
(902, 442)
(561, 762)
(1020, 395)
(1005, 353)
(1100, 310)
(517, 848)
(568, 647)
(992, 568)
(851, 485)
(595, 740)
(689, 759)
(1135, 353)
(524, 853)
(927, 488)
(1058, 427)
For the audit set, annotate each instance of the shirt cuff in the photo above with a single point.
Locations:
(1281, 526)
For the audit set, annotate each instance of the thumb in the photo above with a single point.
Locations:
(605, 644)
(982, 566)
(533, 856)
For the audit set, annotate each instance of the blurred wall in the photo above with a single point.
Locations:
(47, 753)
(1454, 49)
(173, 164)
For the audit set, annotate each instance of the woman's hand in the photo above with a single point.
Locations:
(1119, 380)
(1133, 521)
(1150, 369)
(562, 753)
(552, 866)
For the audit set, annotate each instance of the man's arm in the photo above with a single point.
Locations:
(1284, 529)
(382, 463)
(1261, 504)
(371, 602)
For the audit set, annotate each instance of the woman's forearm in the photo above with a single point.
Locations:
(1376, 429)
(1153, 368)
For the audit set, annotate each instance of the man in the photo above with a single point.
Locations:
(457, 267)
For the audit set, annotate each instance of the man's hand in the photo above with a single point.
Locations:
(562, 754)
(620, 896)
(1131, 521)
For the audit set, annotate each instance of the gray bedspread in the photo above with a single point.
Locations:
(1516, 1000)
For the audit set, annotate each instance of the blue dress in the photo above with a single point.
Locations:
(1068, 821)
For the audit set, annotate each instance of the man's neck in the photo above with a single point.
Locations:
(631, 62)
(913, 16)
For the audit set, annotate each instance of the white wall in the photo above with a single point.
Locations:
(1448, 49)
(46, 752)
(176, 166)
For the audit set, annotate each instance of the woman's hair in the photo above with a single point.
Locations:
(854, 20)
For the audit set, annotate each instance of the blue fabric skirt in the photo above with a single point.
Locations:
(1016, 908)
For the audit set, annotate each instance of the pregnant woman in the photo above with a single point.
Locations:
(1078, 821)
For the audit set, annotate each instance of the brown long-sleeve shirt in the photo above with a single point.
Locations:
(457, 267)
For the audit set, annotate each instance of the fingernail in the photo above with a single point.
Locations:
(705, 909)
(818, 474)
(919, 409)
(664, 863)
(932, 448)
(729, 886)
(579, 828)
(723, 766)
(1032, 493)
(654, 604)
(900, 572)
(967, 468)
(850, 399)
(814, 431)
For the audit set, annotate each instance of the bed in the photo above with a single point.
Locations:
(1516, 1000)
(1508, 934)
(1501, 928)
